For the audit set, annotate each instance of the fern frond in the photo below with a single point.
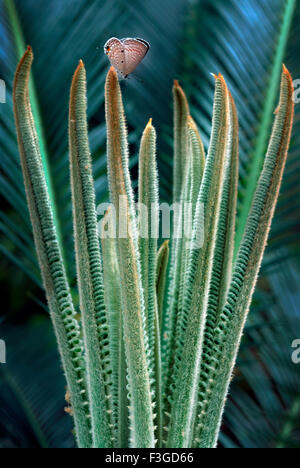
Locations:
(192, 187)
(181, 113)
(223, 255)
(20, 45)
(135, 332)
(188, 353)
(181, 179)
(161, 277)
(88, 262)
(231, 322)
(257, 160)
(197, 162)
(112, 289)
(49, 254)
(149, 231)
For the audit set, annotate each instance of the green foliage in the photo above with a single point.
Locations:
(32, 389)
(238, 38)
(49, 254)
(112, 290)
(265, 395)
(266, 117)
(148, 236)
(89, 266)
(161, 278)
(204, 328)
(133, 302)
(231, 321)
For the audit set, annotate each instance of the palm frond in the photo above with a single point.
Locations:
(246, 42)
(32, 389)
(263, 411)
(189, 39)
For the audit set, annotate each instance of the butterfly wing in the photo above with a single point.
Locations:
(115, 51)
(134, 52)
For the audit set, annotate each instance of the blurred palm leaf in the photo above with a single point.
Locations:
(189, 39)
(263, 411)
(246, 42)
(32, 389)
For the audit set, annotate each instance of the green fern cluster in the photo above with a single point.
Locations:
(150, 362)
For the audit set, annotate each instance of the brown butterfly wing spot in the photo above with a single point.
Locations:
(112, 42)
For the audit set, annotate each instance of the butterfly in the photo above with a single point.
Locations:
(126, 54)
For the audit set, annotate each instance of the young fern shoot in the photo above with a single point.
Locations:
(150, 362)
(89, 265)
(133, 305)
(148, 236)
(49, 255)
(232, 317)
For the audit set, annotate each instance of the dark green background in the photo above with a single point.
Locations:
(189, 40)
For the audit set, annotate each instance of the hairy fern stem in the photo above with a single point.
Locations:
(150, 361)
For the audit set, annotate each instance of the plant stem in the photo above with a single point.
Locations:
(88, 262)
(49, 255)
(135, 329)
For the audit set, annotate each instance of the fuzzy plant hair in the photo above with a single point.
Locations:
(149, 354)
